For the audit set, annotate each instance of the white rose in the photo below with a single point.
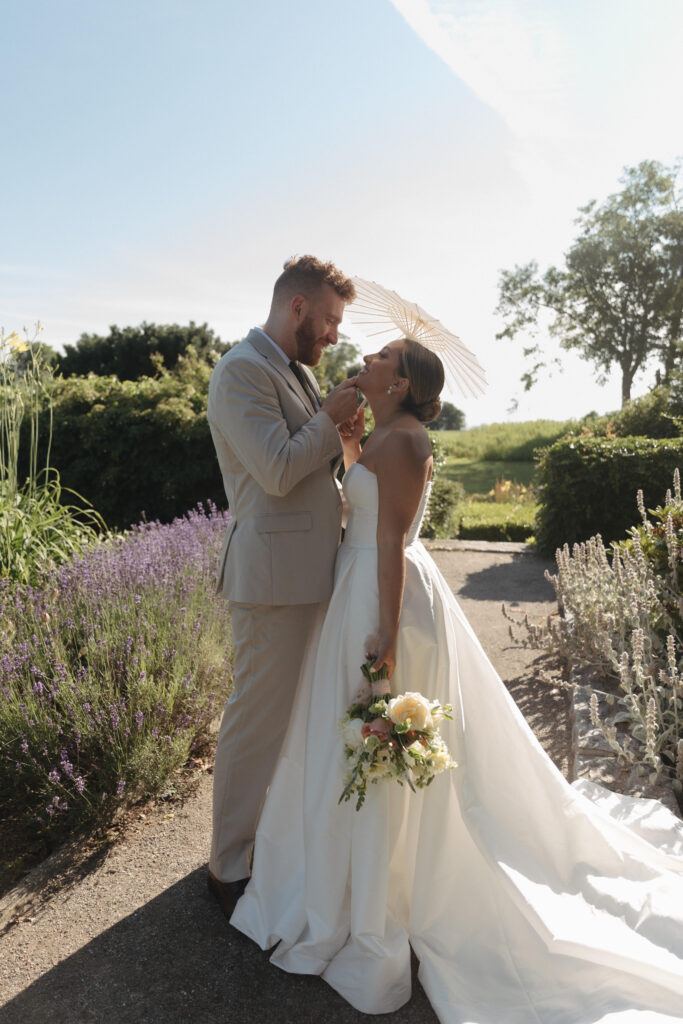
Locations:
(351, 732)
(413, 710)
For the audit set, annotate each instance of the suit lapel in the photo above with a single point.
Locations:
(265, 349)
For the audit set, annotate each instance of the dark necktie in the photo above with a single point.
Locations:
(301, 377)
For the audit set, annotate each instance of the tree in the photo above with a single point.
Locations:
(619, 298)
(337, 363)
(129, 352)
(450, 418)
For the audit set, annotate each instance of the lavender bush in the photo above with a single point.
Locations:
(622, 616)
(110, 674)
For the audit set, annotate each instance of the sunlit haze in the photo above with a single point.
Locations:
(162, 159)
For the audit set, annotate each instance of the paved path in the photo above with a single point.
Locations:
(137, 940)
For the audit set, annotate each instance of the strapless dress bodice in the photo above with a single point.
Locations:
(360, 489)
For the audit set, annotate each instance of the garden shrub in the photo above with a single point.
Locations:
(443, 510)
(587, 486)
(650, 416)
(135, 448)
(622, 618)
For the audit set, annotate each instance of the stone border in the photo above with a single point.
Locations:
(503, 547)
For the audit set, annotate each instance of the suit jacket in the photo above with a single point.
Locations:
(277, 455)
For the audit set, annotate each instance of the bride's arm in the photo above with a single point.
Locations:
(401, 477)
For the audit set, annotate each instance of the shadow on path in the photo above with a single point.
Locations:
(544, 705)
(177, 960)
(517, 580)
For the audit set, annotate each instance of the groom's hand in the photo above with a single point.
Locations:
(342, 402)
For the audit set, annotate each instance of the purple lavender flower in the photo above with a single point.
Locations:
(123, 617)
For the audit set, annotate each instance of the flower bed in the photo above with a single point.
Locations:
(111, 673)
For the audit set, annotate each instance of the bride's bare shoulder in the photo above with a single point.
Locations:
(406, 445)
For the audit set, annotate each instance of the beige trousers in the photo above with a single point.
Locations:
(269, 644)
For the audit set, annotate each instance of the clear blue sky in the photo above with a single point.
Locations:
(163, 159)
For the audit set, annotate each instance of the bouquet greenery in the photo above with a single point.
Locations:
(389, 737)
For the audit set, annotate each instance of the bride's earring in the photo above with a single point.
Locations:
(389, 390)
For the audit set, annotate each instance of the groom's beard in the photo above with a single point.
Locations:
(306, 342)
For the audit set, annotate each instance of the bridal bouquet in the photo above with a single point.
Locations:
(389, 737)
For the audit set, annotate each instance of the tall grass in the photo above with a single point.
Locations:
(37, 530)
(512, 442)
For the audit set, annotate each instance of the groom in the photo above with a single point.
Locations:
(278, 448)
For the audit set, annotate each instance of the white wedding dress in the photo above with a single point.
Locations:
(525, 899)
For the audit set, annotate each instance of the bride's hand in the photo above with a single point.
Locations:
(384, 653)
(352, 430)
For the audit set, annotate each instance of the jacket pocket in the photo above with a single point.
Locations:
(283, 522)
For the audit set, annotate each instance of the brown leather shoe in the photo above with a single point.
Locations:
(226, 893)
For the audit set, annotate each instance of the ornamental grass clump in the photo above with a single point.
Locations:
(622, 616)
(111, 673)
(37, 530)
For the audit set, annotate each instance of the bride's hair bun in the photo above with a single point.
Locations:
(425, 374)
(427, 411)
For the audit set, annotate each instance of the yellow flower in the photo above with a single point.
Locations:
(15, 343)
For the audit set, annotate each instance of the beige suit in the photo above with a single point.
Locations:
(277, 454)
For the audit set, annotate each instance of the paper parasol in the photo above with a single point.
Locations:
(378, 307)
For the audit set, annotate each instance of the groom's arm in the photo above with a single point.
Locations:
(246, 411)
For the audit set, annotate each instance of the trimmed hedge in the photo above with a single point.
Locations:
(589, 486)
(496, 521)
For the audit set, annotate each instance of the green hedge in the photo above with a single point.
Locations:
(496, 521)
(589, 485)
(136, 447)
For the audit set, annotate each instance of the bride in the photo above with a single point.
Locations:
(524, 899)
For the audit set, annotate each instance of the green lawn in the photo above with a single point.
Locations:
(511, 442)
(478, 457)
(478, 477)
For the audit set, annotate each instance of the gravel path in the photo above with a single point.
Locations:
(136, 939)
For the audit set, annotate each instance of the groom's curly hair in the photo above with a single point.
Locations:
(304, 275)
